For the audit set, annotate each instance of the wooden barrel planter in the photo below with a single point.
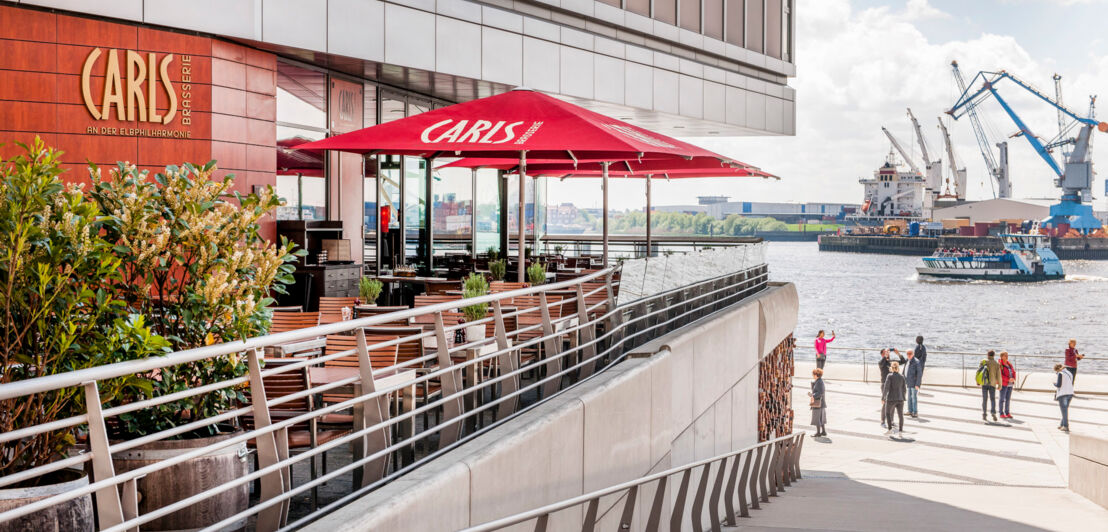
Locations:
(70, 516)
(172, 484)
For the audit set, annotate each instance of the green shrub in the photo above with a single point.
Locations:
(369, 289)
(492, 253)
(536, 274)
(58, 308)
(498, 269)
(475, 286)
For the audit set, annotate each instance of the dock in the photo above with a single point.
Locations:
(1070, 248)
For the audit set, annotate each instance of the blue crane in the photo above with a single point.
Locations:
(1074, 174)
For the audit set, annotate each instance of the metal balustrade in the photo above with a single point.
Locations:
(483, 383)
(725, 487)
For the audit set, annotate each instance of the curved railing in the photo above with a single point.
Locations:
(730, 485)
(574, 330)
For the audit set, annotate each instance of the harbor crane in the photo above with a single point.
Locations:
(934, 176)
(958, 174)
(998, 170)
(1074, 174)
(903, 153)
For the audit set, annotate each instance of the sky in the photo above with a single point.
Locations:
(861, 63)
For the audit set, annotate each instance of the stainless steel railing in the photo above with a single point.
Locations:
(721, 487)
(482, 384)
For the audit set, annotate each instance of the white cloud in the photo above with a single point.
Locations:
(857, 70)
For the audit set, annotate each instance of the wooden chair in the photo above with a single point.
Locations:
(379, 358)
(300, 436)
(407, 351)
(450, 318)
(533, 317)
(378, 310)
(330, 308)
(504, 286)
(294, 321)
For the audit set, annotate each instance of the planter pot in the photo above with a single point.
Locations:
(189, 478)
(475, 333)
(71, 516)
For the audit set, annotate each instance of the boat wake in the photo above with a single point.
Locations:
(1085, 279)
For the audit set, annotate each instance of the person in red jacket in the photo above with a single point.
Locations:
(821, 348)
(1007, 381)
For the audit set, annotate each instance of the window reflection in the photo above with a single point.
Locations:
(452, 208)
(415, 209)
(488, 210)
(300, 176)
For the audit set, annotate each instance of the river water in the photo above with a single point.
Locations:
(878, 301)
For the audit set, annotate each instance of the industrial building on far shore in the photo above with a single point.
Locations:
(720, 207)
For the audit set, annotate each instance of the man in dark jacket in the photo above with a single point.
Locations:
(912, 377)
(883, 364)
(921, 355)
(892, 392)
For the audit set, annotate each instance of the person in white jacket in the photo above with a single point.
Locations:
(1064, 394)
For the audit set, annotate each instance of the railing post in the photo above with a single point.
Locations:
(109, 507)
(753, 478)
(698, 499)
(679, 502)
(763, 474)
(551, 353)
(586, 333)
(508, 364)
(655, 517)
(744, 480)
(799, 450)
(374, 411)
(629, 508)
(451, 384)
(589, 522)
(272, 484)
(729, 491)
(713, 500)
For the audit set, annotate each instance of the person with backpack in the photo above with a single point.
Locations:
(1007, 381)
(988, 377)
(1064, 382)
(892, 392)
(913, 377)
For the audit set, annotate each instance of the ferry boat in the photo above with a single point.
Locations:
(1026, 257)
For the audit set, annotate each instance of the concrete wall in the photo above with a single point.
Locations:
(1089, 467)
(685, 397)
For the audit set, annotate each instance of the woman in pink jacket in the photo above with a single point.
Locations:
(821, 348)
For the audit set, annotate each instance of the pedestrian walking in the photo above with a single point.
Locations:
(892, 392)
(988, 376)
(1007, 381)
(1064, 383)
(818, 403)
(821, 348)
(883, 364)
(921, 355)
(1072, 356)
(913, 376)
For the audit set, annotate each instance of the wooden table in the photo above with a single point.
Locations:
(417, 280)
(332, 374)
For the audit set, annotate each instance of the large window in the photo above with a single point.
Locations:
(452, 208)
(690, 15)
(755, 24)
(301, 117)
(735, 14)
(487, 204)
(773, 28)
(666, 11)
(713, 19)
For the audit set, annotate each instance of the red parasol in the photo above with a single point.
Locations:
(518, 124)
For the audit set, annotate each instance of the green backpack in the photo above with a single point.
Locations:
(982, 376)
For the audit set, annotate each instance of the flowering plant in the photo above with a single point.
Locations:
(193, 262)
(58, 311)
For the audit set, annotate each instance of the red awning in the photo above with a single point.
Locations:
(507, 124)
(293, 161)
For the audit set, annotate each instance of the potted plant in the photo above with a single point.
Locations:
(558, 249)
(498, 269)
(475, 285)
(57, 314)
(193, 262)
(536, 274)
(368, 290)
(492, 253)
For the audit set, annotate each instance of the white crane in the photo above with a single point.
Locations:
(959, 174)
(934, 169)
(903, 153)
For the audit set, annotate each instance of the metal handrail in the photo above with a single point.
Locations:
(808, 345)
(785, 469)
(603, 332)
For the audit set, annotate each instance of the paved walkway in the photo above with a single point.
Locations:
(948, 471)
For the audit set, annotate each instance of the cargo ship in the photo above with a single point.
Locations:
(1024, 258)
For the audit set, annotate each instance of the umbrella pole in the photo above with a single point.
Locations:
(604, 256)
(522, 236)
(648, 177)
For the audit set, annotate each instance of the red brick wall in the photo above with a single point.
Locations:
(231, 97)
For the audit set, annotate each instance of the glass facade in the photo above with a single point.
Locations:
(301, 117)
(762, 26)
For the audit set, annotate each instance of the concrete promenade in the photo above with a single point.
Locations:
(948, 471)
